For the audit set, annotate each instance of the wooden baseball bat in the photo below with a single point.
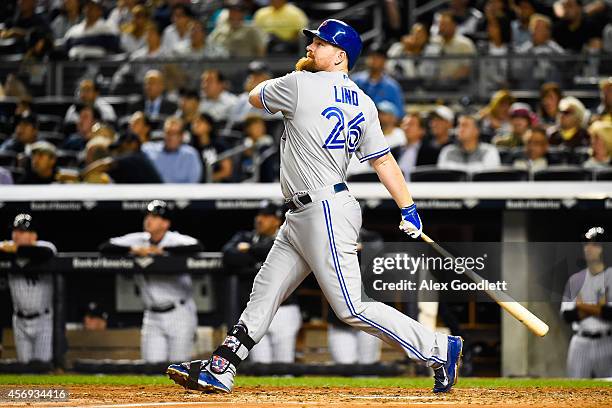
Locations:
(518, 311)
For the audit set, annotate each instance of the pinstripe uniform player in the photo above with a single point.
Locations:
(32, 293)
(170, 318)
(327, 119)
(587, 306)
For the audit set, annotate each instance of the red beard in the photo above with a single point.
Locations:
(306, 64)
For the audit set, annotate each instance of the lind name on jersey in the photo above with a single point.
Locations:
(345, 95)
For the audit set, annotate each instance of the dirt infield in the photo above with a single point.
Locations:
(265, 396)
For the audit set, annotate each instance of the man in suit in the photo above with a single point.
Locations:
(154, 103)
(415, 152)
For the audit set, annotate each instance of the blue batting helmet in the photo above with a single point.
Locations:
(341, 35)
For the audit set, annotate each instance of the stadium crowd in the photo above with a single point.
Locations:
(173, 132)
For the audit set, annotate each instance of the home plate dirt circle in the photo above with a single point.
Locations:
(147, 396)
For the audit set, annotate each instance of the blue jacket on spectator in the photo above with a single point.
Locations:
(386, 89)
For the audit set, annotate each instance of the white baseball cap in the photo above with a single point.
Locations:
(444, 112)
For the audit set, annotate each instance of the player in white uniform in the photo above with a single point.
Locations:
(170, 318)
(587, 306)
(327, 118)
(32, 294)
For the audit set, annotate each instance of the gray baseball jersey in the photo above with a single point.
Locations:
(33, 337)
(160, 290)
(169, 335)
(327, 119)
(589, 357)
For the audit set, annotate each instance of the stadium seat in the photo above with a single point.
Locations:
(559, 155)
(52, 105)
(603, 174)
(49, 123)
(579, 155)
(16, 172)
(67, 158)
(507, 154)
(430, 173)
(7, 159)
(52, 137)
(563, 173)
(501, 175)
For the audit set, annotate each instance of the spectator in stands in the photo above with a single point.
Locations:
(88, 116)
(128, 164)
(243, 255)
(26, 133)
(570, 131)
(258, 72)
(133, 73)
(94, 318)
(494, 72)
(521, 119)
(205, 140)
(89, 94)
(601, 146)
(215, 100)
(178, 33)
(535, 154)
(34, 66)
(524, 9)
(548, 107)
(141, 126)
(377, 84)
(467, 18)
(283, 22)
(604, 110)
(388, 122)
(41, 169)
(262, 154)
(575, 30)
(189, 105)
(239, 38)
(469, 154)
(69, 16)
(495, 116)
(5, 176)
(122, 14)
(441, 123)
(450, 42)
(154, 103)
(410, 46)
(93, 37)
(134, 33)
(416, 152)
(24, 21)
(198, 46)
(175, 161)
(530, 73)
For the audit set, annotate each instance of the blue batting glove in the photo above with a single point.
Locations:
(411, 222)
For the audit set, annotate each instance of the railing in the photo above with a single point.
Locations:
(577, 74)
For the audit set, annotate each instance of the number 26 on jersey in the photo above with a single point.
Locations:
(335, 139)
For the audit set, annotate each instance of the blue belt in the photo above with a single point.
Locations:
(306, 199)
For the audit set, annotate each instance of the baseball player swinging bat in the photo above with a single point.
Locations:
(518, 311)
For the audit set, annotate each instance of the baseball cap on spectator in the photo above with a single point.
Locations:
(595, 234)
(235, 5)
(258, 67)
(522, 110)
(444, 113)
(126, 137)
(24, 222)
(386, 107)
(159, 208)
(43, 147)
(570, 103)
(94, 310)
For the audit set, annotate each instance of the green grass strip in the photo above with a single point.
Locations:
(404, 382)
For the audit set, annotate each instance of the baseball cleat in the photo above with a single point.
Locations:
(446, 376)
(193, 375)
